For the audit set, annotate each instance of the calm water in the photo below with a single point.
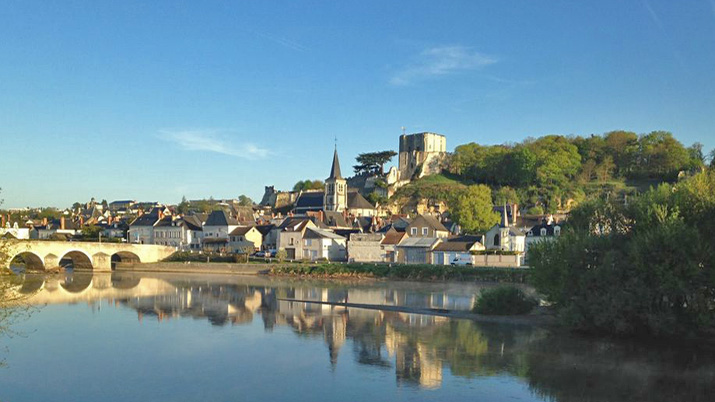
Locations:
(191, 338)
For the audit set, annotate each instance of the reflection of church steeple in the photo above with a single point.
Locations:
(334, 331)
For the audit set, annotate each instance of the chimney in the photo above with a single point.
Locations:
(161, 215)
(81, 221)
(44, 221)
(514, 211)
(62, 222)
(3, 221)
(110, 220)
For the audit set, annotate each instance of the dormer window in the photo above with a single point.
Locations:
(424, 231)
(557, 230)
(543, 231)
(413, 231)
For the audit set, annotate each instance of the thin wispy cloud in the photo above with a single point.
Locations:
(438, 61)
(653, 15)
(285, 42)
(212, 141)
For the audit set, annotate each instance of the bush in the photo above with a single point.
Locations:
(645, 269)
(504, 300)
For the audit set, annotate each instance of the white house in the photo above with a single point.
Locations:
(179, 233)
(218, 225)
(323, 244)
(504, 237)
(457, 251)
(545, 231)
(141, 230)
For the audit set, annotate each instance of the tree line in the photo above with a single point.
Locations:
(642, 268)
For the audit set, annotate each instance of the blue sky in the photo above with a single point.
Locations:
(155, 100)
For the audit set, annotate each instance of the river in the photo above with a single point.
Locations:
(123, 337)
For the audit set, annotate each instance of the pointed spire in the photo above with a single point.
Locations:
(335, 170)
(504, 218)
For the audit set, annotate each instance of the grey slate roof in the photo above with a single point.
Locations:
(454, 246)
(193, 222)
(315, 233)
(220, 218)
(335, 219)
(356, 200)
(147, 219)
(241, 230)
(536, 230)
(310, 201)
(421, 242)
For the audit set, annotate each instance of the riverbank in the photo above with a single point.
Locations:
(341, 271)
(414, 272)
(218, 268)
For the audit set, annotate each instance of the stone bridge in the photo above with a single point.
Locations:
(41, 255)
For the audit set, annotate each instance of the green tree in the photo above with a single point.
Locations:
(661, 156)
(183, 207)
(373, 162)
(472, 209)
(604, 170)
(304, 185)
(245, 201)
(91, 232)
(557, 160)
(376, 199)
(623, 148)
(646, 268)
(506, 195)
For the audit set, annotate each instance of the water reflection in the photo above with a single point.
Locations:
(420, 351)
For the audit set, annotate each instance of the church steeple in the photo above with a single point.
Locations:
(335, 170)
(336, 188)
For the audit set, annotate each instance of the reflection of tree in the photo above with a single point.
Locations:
(14, 292)
(421, 349)
(572, 369)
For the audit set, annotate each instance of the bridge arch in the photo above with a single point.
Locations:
(124, 282)
(124, 256)
(32, 261)
(78, 259)
(77, 283)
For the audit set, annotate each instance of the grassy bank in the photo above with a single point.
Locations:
(404, 271)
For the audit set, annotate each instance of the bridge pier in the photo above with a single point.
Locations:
(52, 262)
(102, 262)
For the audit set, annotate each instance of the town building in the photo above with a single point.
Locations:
(426, 226)
(503, 236)
(416, 250)
(141, 230)
(457, 251)
(245, 240)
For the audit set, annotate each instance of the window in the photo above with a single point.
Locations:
(308, 242)
(413, 231)
(291, 241)
(543, 231)
(497, 239)
(424, 231)
(557, 230)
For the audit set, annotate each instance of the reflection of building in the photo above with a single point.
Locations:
(412, 346)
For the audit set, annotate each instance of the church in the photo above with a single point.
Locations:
(336, 197)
